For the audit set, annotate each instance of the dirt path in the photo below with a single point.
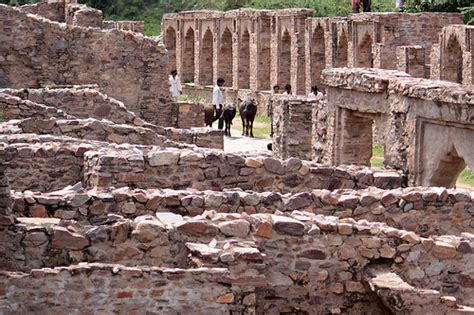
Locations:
(237, 143)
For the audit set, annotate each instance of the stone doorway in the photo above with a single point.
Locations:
(206, 68)
(188, 56)
(226, 62)
(318, 56)
(284, 68)
(364, 53)
(244, 61)
(452, 62)
(171, 46)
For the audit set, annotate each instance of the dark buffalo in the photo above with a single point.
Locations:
(208, 115)
(228, 114)
(248, 111)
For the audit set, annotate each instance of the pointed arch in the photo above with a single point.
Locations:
(452, 61)
(244, 60)
(284, 66)
(341, 51)
(364, 53)
(188, 56)
(206, 68)
(318, 55)
(226, 62)
(170, 43)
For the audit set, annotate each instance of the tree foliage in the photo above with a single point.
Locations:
(151, 11)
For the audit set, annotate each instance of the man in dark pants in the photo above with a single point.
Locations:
(365, 5)
(217, 100)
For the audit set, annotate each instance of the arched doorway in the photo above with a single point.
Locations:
(318, 55)
(341, 51)
(225, 65)
(188, 56)
(452, 61)
(364, 53)
(206, 69)
(170, 43)
(244, 61)
(284, 66)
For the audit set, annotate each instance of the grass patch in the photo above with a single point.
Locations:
(377, 156)
(261, 126)
(466, 178)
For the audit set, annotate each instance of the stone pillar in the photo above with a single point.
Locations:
(292, 127)
(435, 58)
(411, 59)
(254, 60)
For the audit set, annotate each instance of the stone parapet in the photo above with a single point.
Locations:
(126, 289)
(157, 168)
(319, 254)
(426, 211)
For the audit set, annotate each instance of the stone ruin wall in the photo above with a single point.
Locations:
(290, 46)
(425, 126)
(76, 55)
(100, 195)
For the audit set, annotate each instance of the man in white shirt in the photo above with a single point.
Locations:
(175, 84)
(315, 95)
(217, 101)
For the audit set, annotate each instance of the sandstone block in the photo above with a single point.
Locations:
(289, 226)
(64, 239)
(163, 158)
(238, 228)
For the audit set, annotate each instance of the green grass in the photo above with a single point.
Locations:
(261, 126)
(465, 179)
(377, 156)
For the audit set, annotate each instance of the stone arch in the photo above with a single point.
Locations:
(188, 56)
(225, 65)
(244, 60)
(170, 43)
(452, 61)
(318, 55)
(448, 170)
(364, 53)
(206, 69)
(284, 60)
(340, 59)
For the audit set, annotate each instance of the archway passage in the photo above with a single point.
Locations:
(226, 62)
(188, 56)
(341, 51)
(448, 170)
(264, 56)
(284, 66)
(170, 44)
(364, 53)
(244, 61)
(206, 69)
(318, 55)
(452, 61)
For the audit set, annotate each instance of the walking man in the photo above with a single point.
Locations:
(175, 84)
(217, 101)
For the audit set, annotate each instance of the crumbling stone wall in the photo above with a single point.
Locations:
(424, 136)
(411, 59)
(321, 256)
(452, 57)
(255, 49)
(128, 290)
(217, 170)
(76, 55)
(426, 211)
(292, 117)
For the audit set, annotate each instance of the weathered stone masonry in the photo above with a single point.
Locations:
(254, 50)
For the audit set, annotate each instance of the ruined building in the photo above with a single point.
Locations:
(114, 199)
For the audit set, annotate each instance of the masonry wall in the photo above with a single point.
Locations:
(424, 135)
(426, 211)
(126, 66)
(83, 288)
(306, 257)
(292, 127)
(217, 171)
